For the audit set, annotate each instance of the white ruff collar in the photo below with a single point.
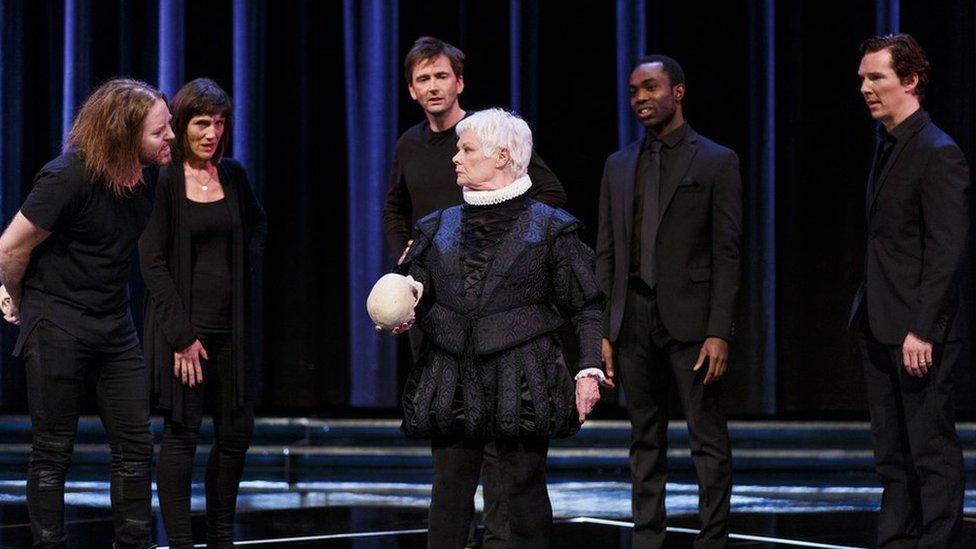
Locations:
(497, 196)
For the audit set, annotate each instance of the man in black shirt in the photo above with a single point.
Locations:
(667, 258)
(905, 316)
(423, 178)
(64, 259)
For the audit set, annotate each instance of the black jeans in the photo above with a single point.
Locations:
(649, 361)
(233, 427)
(520, 486)
(917, 453)
(59, 369)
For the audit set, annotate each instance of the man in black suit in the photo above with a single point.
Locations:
(668, 260)
(906, 319)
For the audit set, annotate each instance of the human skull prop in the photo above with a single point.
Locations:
(392, 300)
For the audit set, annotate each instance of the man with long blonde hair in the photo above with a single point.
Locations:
(64, 259)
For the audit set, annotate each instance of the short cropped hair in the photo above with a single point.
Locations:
(426, 48)
(907, 57)
(199, 97)
(498, 129)
(668, 64)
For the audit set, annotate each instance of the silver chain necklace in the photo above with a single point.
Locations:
(204, 186)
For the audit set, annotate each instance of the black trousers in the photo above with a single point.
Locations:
(917, 453)
(495, 511)
(233, 427)
(520, 486)
(60, 369)
(495, 521)
(649, 360)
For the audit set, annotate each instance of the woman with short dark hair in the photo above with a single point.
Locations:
(198, 253)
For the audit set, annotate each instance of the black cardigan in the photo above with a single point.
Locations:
(164, 255)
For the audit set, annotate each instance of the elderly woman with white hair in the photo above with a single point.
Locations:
(501, 274)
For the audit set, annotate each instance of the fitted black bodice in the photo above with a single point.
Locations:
(482, 230)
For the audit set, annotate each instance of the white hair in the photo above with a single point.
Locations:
(498, 129)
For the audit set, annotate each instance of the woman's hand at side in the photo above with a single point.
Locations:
(186, 364)
(587, 395)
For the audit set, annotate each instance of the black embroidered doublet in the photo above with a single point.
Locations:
(499, 282)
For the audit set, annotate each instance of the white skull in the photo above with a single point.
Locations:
(392, 299)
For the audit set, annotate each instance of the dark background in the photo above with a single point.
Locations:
(821, 134)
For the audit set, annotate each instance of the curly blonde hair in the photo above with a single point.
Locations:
(107, 132)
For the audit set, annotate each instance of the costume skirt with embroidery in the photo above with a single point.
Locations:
(523, 391)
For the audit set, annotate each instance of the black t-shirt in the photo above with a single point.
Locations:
(423, 180)
(77, 277)
(211, 232)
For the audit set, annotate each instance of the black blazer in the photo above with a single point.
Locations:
(918, 229)
(698, 239)
(164, 255)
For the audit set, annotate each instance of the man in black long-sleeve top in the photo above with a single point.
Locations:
(905, 315)
(668, 260)
(423, 178)
(424, 181)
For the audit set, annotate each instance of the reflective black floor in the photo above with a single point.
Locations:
(352, 483)
(362, 527)
(321, 514)
(372, 528)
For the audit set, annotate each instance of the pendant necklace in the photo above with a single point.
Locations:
(204, 186)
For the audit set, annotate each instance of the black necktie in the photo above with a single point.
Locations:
(880, 160)
(651, 176)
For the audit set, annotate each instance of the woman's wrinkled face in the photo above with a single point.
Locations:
(474, 170)
(203, 135)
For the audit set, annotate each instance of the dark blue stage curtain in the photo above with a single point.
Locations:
(515, 55)
(9, 166)
(887, 16)
(77, 58)
(757, 327)
(171, 31)
(523, 60)
(31, 78)
(371, 61)
(248, 117)
(631, 46)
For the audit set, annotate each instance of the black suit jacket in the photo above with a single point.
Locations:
(698, 240)
(918, 229)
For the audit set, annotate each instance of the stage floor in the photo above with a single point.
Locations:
(360, 484)
(367, 510)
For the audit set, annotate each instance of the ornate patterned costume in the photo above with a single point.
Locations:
(499, 282)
